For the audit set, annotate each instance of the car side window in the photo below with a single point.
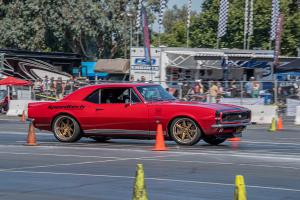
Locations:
(134, 97)
(113, 96)
(94, 97)
(118, 95)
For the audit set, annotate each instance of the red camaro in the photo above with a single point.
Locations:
(132, 110)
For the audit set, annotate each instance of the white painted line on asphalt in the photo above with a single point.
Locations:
(208, 153)
(222, 163)
(81, 163)
(155, 179)
(22, 133)
(56, 155)
(271, 143)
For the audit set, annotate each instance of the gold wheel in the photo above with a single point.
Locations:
(64, 128)
(185, 131)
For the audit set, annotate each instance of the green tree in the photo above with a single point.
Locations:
(92, 28)
(204, 26)
(203, 30)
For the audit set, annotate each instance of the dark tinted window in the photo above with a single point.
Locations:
(118, 95)
(94, 97)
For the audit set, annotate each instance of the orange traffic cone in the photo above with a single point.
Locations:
(31, 138)
(160, 141)
(23, 117)
(279, 123)
(234, 139)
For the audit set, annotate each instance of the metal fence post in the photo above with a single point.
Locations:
(242, 91)
(180, 90)
(275, 91)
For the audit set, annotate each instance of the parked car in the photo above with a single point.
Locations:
(3, 101)
(132, 110)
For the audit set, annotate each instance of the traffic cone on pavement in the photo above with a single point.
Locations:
(23, 116)
(273, 125)
(160, 141)
(240, 189)
(139, 191)
(279, 123)
(234, 139)
(31, 137)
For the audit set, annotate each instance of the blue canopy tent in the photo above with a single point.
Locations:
(88, 70)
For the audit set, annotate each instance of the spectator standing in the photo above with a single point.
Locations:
(143, 79)
(233, 88)
(52, 86)
(46, 83)
(249, 87)
(68, 88)
(213, 92)
(256, 88)
(59, 88)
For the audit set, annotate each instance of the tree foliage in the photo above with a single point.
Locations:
(204, 25)
(92, 28)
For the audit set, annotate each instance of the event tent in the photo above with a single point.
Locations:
(11, 81)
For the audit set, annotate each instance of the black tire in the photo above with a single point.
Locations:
(100, 139)
(213, 140)
(194, 133)
(73, 135)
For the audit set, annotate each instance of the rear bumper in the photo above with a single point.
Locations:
(230, 125)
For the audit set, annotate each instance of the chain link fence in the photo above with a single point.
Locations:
(285, 94)
(237, 92)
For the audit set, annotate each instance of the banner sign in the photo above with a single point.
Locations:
(146, 36)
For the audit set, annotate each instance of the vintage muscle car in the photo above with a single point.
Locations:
(132, 110)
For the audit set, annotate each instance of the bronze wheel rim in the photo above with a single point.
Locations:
(64, 128)
(185, 130)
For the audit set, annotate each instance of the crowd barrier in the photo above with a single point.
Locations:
(262, 114)
(244, 101)
(297, 118)
(16, 107)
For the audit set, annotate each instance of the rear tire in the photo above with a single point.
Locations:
(213, 140)
(66, 129)
(185, 131)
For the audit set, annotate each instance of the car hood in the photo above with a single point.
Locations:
(213, 106)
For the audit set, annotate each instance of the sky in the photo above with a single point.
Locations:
(196, 4)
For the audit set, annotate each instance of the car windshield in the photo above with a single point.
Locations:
(155, 93)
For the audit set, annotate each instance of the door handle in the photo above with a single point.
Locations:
(98, 109)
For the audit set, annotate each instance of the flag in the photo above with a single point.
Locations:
(138, 16)
(250, 31)
(223, 18)
(275, 15)
(246, 16)
(189, 14)
(146, 36)
(163, 5)
(278, 35)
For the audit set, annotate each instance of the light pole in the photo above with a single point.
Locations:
(130, 15)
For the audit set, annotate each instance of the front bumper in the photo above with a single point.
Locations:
(230, 125)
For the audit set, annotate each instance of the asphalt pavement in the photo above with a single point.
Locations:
(269, 162)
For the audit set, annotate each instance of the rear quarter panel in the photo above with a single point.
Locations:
(44, 113)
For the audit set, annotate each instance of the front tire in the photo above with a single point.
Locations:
(185, 131)
(66, 129)
(213, 140)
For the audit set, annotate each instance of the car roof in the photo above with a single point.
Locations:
(84, 91)
(133, 84)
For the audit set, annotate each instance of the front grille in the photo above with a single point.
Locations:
(236, 116)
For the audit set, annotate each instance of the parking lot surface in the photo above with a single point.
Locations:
(269, 162)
